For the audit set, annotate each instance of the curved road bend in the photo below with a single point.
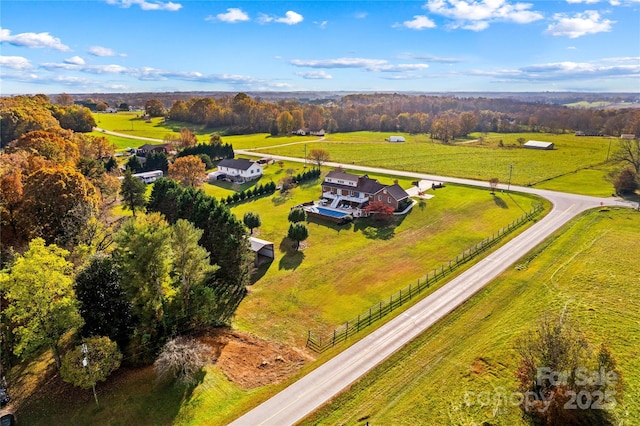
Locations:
(322, 384)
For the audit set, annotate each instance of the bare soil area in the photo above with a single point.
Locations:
(251, 362)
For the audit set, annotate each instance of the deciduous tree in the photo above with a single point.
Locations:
(144, 254)
(92, 362)
(285, 123)
(629, 152)
(189, 170)
(191, 263)
(319, 156)
(41, 303)
(49, 195)
(181, 359)
(552, 357)
(155, 108)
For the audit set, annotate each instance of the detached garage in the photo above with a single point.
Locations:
(264, 250)
(539, 145)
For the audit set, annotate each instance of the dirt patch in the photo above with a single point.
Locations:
(251, 362)
(479, 366)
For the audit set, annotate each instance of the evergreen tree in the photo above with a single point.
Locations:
(132, 191)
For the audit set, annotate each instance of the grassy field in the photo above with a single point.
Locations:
(591, 269)
(477, 159)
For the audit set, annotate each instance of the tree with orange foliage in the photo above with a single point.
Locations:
(95, 147)
(189, 170)
(186, 138)
(55, 146)
(49, 195)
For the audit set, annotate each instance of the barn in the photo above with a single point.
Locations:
(539, 145)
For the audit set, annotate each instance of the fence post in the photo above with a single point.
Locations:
(358, 326)
(380, 309)
(409, 291)
(334, 337)
(370, 316)
(346, 333)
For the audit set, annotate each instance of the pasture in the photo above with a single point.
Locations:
(476, 159)
(590, 267)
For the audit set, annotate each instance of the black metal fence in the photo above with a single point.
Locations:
(320, 343)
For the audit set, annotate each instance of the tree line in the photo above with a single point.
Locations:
(444, 117)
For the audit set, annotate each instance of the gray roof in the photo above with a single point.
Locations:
(339, 174)
(236, 163)
(538, 144)
(397, 192)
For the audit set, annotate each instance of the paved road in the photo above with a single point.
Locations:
(321, 385)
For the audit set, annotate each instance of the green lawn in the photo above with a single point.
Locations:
(591, 269)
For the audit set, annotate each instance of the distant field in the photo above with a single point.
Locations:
(592, 269)
(477, 159)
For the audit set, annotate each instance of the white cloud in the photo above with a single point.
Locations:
(147, 5)
(232, 16)
(75, 60)
(476, 15)
(315, 75)
(375, 65)
(568, 71)
(339, 63)
(289, 18)
(103, 51)
(578, 25)
(583, 1)
(15, 62)
(322, 25)
(430, 58)
(361, 15)
(32, 40)
(572, 48)
(82, 67)
(419, 22)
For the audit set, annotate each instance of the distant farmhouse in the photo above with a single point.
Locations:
(627, 136)
(345, 190)
(147, 148)
(539, 145)
(237, 170)
(395, 139)
(307, 132)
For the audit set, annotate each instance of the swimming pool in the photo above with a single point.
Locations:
(328, 212)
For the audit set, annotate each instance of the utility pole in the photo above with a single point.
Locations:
(85, 364)
(608, 149)
(305, 156)
(510, 173)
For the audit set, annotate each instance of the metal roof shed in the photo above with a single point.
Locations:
(538, 145)
(264, 250)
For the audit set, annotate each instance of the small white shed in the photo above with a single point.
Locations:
(538, 145)
(396, 139)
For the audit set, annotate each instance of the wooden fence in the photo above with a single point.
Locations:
(320, 343)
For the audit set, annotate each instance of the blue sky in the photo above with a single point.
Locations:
(428, 46)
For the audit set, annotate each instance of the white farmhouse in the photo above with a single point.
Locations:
(240, 170)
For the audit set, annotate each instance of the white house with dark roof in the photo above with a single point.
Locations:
(240, 169)
(341, 189)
